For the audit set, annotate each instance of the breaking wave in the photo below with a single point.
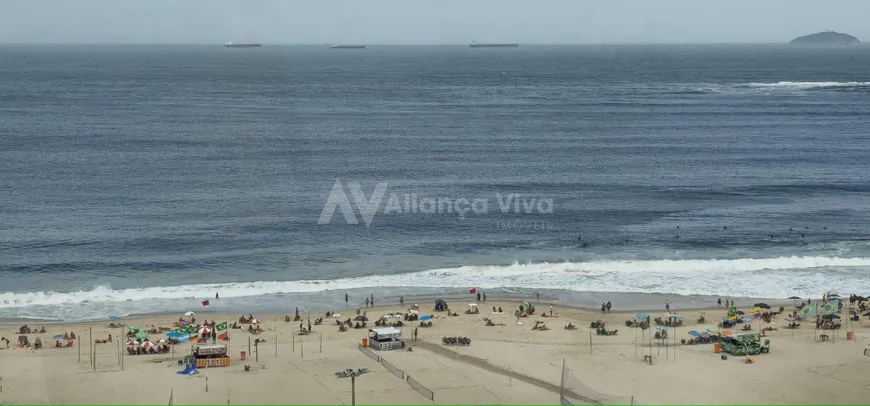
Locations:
(748, 277)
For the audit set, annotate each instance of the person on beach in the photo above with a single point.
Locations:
(415, 334)
(484, 297)
(373, 300)
(401, 300)
(719, 302)
(216, 296)
(603, 307)
(346, 297)
(478, 297)
(609, 305)
(551, 310)
(667, 305)
(367, 303)
(538, 296)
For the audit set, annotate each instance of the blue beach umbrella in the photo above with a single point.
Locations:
(694, 333)
(424, 318)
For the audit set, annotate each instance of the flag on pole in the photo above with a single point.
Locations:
(221, 331)
(472, 291)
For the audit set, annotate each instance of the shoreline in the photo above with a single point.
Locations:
(678, 304)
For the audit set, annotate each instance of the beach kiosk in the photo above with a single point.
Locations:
(210, 356)
(386, 338)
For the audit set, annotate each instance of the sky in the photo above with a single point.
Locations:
(427, 21)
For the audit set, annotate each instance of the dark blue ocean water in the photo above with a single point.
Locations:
(145, 178)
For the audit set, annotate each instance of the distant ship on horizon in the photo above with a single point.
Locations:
(476, 45)
(337, 46)
(248, 45)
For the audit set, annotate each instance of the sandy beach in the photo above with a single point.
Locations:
(505, 364)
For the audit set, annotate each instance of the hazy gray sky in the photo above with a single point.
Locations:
(426, 21)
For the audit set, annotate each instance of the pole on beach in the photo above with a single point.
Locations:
(510, 376)
(590, 341)
(206, 381)
(228, 395)
(353, 390)
(293, 336)
(249, 344)
(321, 343)
(80, 350)
(276, 346)
(257, 351)
(122, 356)
(301, 348)
(93, 348)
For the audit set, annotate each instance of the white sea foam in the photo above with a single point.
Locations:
(750, 277)
(809, 85)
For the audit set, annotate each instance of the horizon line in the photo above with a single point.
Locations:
(397, 44)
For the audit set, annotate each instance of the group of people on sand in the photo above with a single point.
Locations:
(25, 329)
(605, 307)
(151, 349)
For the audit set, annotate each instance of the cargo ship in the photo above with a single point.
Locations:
(476, 45)
(336, 46)
(250, 45)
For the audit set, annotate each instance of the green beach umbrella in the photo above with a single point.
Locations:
(141, 335)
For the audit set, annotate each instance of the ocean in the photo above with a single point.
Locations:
(140, 179)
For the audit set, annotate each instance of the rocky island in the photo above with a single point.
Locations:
(826, 38)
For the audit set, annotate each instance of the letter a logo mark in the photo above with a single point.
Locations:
(338, 200)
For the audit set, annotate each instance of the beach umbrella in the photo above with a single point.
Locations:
(131, 342)
(755, 309)
(114, 317)
(642, 316)
(133, 328)
(173, 334)
(141, 335)
(424, 318)
(762, 305)
(204, 330)
(676, 316)
(726, 332)
(336, 315)
(57, 337)
(693, 333)
(661, 328)
(146, 344)
(189, 314)
(712, 331)
(161, 341)
(255, 321)
(364, 318)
